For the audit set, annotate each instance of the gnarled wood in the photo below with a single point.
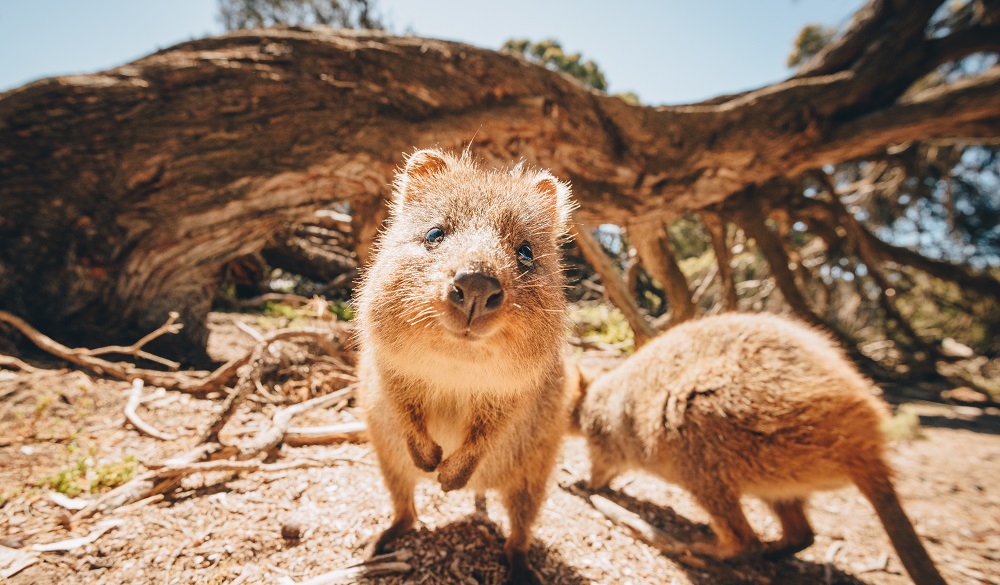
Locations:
(123, 193)
(650, 241)
(614, 286)
(716, 226)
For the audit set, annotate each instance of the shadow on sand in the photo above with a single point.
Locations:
(470, 551)
(789, 571)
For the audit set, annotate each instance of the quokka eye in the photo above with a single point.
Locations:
(524, 256)
(434, 236)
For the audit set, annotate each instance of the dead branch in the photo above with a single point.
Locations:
(650, 241)
(723, 258)
(183, 470)
(209, 449)
(195, 382)
(120, 370)
(267, 440)
(8, 361)
(149, 484)
(256, 335)
(235, 398)
(134, 398)
(145, 485)
(614, 287)
(645, 531)
(386, 564)
(74, 543)
(350, 431)
(752, 220)
(170, 326)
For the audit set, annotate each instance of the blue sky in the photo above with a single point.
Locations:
(667, 51)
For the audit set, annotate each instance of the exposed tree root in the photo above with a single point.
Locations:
(716, 226)
(195, 382)
(650, 241)
(614, 286)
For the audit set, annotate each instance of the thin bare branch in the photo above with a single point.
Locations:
(650, 241)
(723, 258)
(134, 399)
(171, 326)
(8, 361)
(614, 287)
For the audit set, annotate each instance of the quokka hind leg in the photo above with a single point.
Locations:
(523, 501)
(734, 537)
(400, 478)
(602, 469)
(796, 533)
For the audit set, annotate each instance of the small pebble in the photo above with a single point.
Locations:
(291, 530)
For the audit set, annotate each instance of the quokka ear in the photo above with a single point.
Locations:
(421, 164)
(555, 197)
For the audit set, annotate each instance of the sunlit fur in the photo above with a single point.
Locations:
(491, 392)
(741, 404)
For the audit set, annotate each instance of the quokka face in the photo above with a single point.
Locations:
(468, 269)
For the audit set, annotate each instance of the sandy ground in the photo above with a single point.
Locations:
(217, 529)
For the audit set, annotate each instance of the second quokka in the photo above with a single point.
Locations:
(461, 317)
(740, 404)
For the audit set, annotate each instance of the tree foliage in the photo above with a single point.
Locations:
(247, 14)
(550, 54)
(812, 38)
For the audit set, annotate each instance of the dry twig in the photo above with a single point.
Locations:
(645, 531)
(210, 450)
(388, 564)
(176, 470)
(192, 382)
(8, 361)
(134, 398)
(349, 431)
(74, 543)
(170, 326)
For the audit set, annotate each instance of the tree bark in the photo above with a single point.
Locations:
(123, 193)
(614, 286)
(753, 222)
(716, 226)
(651, 242)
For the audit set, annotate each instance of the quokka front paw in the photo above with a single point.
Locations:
(455, 472)
(426, 453)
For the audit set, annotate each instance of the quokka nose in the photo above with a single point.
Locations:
(476, 294)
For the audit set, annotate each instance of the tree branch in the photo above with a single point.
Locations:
(967, 108)
(962, 43)
(839, 53)
(651, 242)
(723, 258)
(614, 287)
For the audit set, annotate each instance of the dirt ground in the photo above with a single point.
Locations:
(222, 530)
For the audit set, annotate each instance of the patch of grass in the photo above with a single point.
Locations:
(602, 324)
(42, 404)
(342, 309)
(86, 476)
(281, 310)
(905, 424)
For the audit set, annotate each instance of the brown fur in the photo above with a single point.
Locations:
(477, 402)
(740, 404)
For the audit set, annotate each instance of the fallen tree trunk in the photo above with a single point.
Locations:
(124, 193)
